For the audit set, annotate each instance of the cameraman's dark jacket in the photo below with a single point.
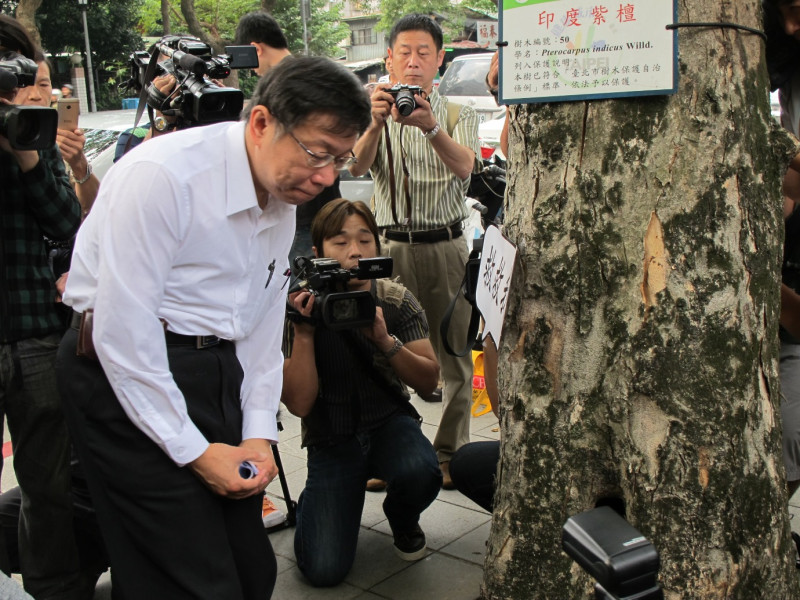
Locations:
(38, 203)
(358, 389)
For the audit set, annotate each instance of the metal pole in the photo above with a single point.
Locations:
(305, 10)
(92, 104)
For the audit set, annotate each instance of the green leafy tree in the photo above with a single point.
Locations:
(112, 27)
(325, 28)
(218, 18)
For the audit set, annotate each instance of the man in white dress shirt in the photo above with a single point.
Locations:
(182, 267)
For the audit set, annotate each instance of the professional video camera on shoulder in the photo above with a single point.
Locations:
(196, 99)
(25, 127)
(335, 307)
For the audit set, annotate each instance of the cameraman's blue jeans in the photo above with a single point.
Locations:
(329, 509)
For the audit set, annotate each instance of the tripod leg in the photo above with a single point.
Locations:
(291, 505)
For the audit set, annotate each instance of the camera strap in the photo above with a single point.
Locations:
(392, 188)
(467, 288)
(149, 74)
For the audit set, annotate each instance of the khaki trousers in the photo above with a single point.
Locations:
(433, 273)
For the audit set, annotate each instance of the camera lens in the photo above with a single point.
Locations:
(405, 102)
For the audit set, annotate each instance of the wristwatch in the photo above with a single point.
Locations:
(162, 125)
(398, 345)
(85, 178)
(432, 133)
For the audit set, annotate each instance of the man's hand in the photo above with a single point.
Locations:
(61, 285)
(302, 302)
(382, 104)
(267, 466)
(422, 116)
(493, 76)
(377, 333)
(218, 469)
(71, 144)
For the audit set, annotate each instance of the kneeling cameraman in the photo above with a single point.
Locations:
(349, 388)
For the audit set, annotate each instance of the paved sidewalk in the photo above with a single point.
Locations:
(456, 530)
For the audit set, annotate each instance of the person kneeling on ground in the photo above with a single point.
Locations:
(349, 388)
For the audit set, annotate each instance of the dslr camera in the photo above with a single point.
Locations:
(404, 97)
(196, 100)
(335, 307)
(25, 127)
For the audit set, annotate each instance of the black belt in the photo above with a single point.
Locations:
(198, 341)
(173, 339)
(430, 236)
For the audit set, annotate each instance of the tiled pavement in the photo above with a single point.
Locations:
(456, 530)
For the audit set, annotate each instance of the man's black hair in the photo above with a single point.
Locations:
(299, 87)
(13, 36)
(417, 22)
(259, 26)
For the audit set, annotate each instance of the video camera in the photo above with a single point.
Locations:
(404, 97)
(25, 127)
(335, 307)
(621, 560)
(197, 100)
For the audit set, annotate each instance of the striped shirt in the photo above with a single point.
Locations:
(35, 204)
(437, 194)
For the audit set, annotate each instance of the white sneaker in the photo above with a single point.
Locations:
(271, 515)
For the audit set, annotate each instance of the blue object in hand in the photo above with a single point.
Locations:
(248, 470)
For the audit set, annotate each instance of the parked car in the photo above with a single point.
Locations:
(356, 188)
(102, 130)
(465, 82)
(489, 136)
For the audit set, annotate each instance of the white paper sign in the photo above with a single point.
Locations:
(560, 50)
(487, 32)
(494, 281)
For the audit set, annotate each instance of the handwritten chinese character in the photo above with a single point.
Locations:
(497, 279)
(487, 275)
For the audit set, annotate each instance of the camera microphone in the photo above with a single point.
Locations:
(190, 62)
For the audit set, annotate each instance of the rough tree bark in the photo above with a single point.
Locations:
(640, 358)
(26, 13)
(165, 20)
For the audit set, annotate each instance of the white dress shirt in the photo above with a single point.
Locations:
(176, 234)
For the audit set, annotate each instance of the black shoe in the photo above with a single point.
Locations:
(410, 545)
(434, 396)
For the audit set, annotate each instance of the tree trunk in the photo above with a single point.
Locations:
(165, 17)
(193, 23)
(215, 41)
(26, 15)
(640, 355)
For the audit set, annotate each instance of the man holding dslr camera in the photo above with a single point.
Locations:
(181, 266)
(348, 385)
(37, 200)
(421, 162)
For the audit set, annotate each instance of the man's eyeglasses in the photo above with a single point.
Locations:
(323, 160)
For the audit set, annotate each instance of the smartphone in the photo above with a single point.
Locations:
(68, 111)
